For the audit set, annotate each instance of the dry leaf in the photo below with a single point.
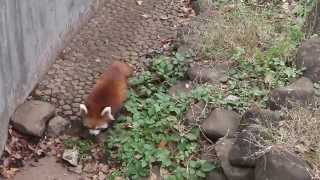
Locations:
(127, 126)
(146, 16)
(164, 17)
(162, 144)
(139, 2)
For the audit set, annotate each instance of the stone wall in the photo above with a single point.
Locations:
(31, 34)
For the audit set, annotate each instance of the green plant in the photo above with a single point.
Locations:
(252, 80)
(153, 132)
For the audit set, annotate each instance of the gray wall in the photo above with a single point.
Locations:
(31, 34)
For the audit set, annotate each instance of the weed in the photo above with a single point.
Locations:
(156, 133)
(251, 81)
(238, 26)
(299, 132)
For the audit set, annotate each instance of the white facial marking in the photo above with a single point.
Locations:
(83, 108)
(103, 126)
(107, 110)
(94, 132)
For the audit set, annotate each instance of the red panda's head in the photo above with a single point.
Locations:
(95, 120)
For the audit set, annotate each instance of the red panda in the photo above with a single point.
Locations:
(106, 97)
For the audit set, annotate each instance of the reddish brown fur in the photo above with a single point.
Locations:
(110, 90)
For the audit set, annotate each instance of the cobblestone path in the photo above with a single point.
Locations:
(120, 29)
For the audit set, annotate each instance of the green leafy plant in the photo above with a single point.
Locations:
(153, 132)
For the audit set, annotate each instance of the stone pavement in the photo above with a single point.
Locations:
(119, 30)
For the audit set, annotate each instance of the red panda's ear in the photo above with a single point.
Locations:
(107, 111)
(83, 109)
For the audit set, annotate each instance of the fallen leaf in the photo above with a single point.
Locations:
(146, 16)
(162, 144)
(127, 126)
(9, 173)
(163, 17)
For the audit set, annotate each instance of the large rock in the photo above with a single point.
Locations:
(248, 146)
(195, 112)
(213, 75)
(216, 175)
(254, 131)
(223, 148)
(32, 116)
(220, 123)
(181, 87)
(279, 165)
(57, 126)
(201, 6)
(299, 92)
(263, 117)
(312, 21)
(308, 57)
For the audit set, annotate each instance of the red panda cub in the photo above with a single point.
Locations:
(106, 98)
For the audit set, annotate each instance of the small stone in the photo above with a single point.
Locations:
(195, 112)
(71, 156)
(73, 118)
(232, 98)
(75, 109)
(223, 148)
(77, 100)
(67, 78)
(180, 87)
(213, 75)
(61, 102)
(54, 100)
(57, 126)
(82, 92)
(221, 122)
(281, 165)
(67, 113)
(299, 92)
(66, 107)
(32, 116)
(75, 105)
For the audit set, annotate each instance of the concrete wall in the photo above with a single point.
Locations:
(31, 34)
